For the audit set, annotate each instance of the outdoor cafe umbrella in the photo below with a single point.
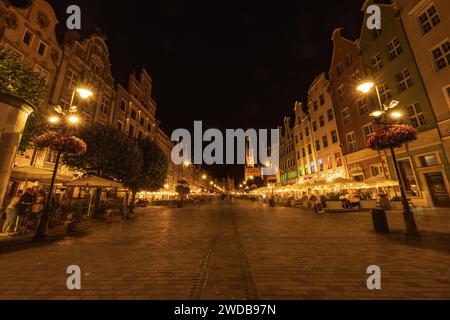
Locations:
(94, 182)
(29, 173)
(379, 182)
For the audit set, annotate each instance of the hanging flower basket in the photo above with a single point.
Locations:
(393, 136)
(54, 141)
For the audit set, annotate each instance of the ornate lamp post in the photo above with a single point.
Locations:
(66, 118)
(381, 118)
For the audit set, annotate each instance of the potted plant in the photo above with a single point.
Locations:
(334, 202)
(396, 203)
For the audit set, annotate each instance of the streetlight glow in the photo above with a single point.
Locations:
(396, 115)
(53, 119)
(365, 87)
(204, 177)
(84, 93)
(73, 119)
(376, 114)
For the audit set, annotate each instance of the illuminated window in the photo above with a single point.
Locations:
(338, 158)
(377, 170)
(429, 160)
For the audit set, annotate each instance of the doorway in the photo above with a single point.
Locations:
(438, 189)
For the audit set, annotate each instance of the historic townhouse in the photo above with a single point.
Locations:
(30, 32)
(427, 26)
(388, 56)
(135, 109)
(288, 165)
(353, 110)
(316, 136)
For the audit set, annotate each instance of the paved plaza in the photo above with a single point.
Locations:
(237, 250)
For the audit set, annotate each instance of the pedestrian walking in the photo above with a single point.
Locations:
(11, 213)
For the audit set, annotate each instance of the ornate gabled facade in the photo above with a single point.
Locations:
(288, 165)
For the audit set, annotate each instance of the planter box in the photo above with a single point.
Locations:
(57, 231)
(334, 205)
(396, 205)
(80, 226)
(368, 204)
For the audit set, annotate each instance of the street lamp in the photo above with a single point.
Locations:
(71, 119)
(381, 118)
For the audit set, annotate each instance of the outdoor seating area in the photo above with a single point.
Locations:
(338, 194)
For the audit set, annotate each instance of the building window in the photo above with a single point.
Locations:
(351, 142)
(430, 160)
(325, 141)
(314, 125)
(317, 145)
(131, 130)
(376, 62)
(309, 149)
(303, 152)
(142, 121)
(71, 79)
(322, 99)
(119, 125)
(409, 180)
(307, 132)
(301, 135)
(363, 108)
(341, 92)
(346, 118)
(339, 69)
(42, 49)
(367, 131)
(348, 60)
(27, 37)
(338, 158)
(50, 156)
(429, 19)
(404, 80)
(123, 106)
(320, 161)
(356, 76)
(133, 114)
(415, 115)
(441, 55)
(375, 33)
(106, 103)
(330, 115)
(394, 48)
(322, 121)
(385, 92)
(334, 137)
(315, 105)
(377, 170)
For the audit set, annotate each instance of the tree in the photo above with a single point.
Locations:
(19, 80)
(153, 172)
(110, 154)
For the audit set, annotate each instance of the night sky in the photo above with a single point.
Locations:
(232, 64)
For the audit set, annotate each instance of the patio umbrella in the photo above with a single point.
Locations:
(94, 182)
(29, 173)
(379, 182)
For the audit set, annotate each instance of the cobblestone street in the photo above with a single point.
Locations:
(239, 250)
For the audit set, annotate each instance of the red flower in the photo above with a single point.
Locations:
(54, 141)
(393, 136)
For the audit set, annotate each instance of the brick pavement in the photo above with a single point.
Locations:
(237, 251)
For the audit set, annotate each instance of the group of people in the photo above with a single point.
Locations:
(24, 206)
